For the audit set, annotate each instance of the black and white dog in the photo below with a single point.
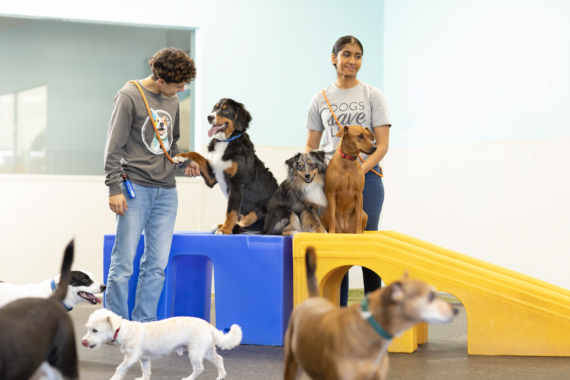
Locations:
(244, 179)
(296, 204)
(37, 335)
(81, 289)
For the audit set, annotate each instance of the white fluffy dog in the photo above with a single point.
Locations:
(152, 340)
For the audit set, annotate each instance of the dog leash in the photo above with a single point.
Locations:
(152, 120)
(381, 174)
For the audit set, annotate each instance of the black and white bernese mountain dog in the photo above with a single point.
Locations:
(244, 179)
(296, 204)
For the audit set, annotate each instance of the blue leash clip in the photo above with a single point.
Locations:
(129, 186)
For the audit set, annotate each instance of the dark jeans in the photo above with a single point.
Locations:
(373, 198)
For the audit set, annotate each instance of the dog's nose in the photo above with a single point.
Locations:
(103, 287)
(85, 342)
(374, 148)
(211, 118)
(308, 175)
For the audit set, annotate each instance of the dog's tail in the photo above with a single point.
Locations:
(65, 278)
(311, 264)
(229, 340)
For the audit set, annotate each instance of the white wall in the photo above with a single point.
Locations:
(39, 214)
(503, 202)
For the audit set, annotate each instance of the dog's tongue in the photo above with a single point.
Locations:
(92, 297)
(214, 129)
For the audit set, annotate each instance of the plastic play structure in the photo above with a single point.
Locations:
(253, 282)
(508, 313)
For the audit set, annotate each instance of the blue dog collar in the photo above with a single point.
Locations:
(52, 283)
(231, 138)
(373, 322)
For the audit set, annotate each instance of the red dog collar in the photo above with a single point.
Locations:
(350, 158)
(116, 333)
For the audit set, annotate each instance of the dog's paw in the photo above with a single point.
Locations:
(179, 159)
(215, 228)
(223, 231)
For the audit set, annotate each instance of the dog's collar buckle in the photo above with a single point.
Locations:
(53, 286)
(231, 138)
(346, 156)
(367, 315)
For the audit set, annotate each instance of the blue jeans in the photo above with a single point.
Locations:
(373, 198)
(153, 211)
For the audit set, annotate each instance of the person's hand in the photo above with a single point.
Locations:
(118, 204)
(192, 170)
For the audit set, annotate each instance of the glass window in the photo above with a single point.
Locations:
(83, 66)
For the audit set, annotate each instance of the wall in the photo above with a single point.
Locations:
(475, 71)
(248, 50)
(41, 213)
(478, 93)
(83, 66)
(478, 148)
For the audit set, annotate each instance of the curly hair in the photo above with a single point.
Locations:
(173, 66)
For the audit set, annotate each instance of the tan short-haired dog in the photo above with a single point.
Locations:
(344, 182)
(329, 342)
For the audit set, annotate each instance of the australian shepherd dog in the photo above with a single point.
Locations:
(244, 179)
(296, 204)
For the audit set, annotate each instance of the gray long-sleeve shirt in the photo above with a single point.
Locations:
(132, 145)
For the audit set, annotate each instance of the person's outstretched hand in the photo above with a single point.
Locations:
(192, 170)
(118, 204)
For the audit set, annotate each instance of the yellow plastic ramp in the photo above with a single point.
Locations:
(508, 313)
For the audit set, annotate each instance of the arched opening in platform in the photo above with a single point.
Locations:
(331, 282)
(194, 287)
(448, 339)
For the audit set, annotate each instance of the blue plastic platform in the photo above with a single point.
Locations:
(254, 282)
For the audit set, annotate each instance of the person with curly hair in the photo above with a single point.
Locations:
(133, 149)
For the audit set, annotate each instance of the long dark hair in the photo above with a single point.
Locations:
(339, 44)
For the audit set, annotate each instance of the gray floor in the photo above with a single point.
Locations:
(443, 357)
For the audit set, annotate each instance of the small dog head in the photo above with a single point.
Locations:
(406, 302)
(161, 125)
(357, 139)
(306, 166)
(228, 116)
(82, 288)
(102, 325)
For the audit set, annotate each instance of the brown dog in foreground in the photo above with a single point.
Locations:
(329, 342)
(344, 182)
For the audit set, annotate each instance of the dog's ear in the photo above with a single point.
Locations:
(243, 118)
(343, 132)
(320, 154)
(114, 321)
(393, 293)
(290, 162)
(370, 134)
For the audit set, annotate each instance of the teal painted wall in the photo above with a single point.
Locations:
(461, 71)
(274, 56)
